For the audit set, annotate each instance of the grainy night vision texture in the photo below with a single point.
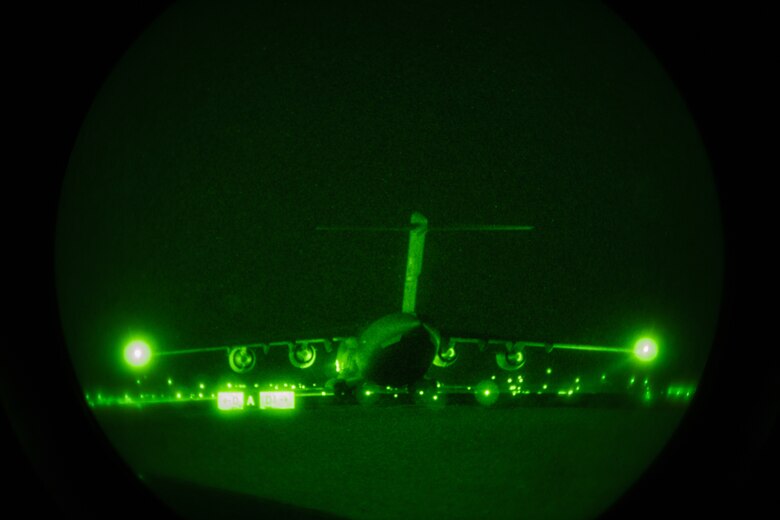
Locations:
(248, 318)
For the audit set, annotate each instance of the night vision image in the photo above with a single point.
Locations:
(389, 260)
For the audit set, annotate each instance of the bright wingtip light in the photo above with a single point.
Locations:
(138, 353)
(646, 349)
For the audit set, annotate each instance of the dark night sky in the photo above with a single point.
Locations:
(224, 136)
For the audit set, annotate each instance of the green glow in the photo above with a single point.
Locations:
(646, 349)
(230, 400)
(589, 348)
(486, 393)
(201, 386)
(440, 229)
(178, 395)
(680, 391)
(170, 381)
(549, 371)
(481, 228)
(138, 353)
(277, 400)
(435, 397)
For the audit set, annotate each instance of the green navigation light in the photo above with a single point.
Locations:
(646, 349)
(138, 353)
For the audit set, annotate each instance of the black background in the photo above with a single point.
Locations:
(59, 59)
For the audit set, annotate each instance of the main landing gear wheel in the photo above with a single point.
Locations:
(342, 393)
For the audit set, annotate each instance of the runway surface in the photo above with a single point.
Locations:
(401, 461)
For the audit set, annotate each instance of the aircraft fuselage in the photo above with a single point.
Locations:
(395, 350)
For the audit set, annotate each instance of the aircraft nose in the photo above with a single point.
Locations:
(403, 361)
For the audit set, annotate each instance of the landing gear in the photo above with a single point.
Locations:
(342, 393)
(367, 394)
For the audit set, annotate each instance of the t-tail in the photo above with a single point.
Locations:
(414, 261)
(417, 231)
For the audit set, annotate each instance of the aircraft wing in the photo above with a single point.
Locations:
(510, 353)
(302, 352)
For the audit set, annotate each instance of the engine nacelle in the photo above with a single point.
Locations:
(446, 355)
(511, 357)
(242, 359)
(302, 354)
